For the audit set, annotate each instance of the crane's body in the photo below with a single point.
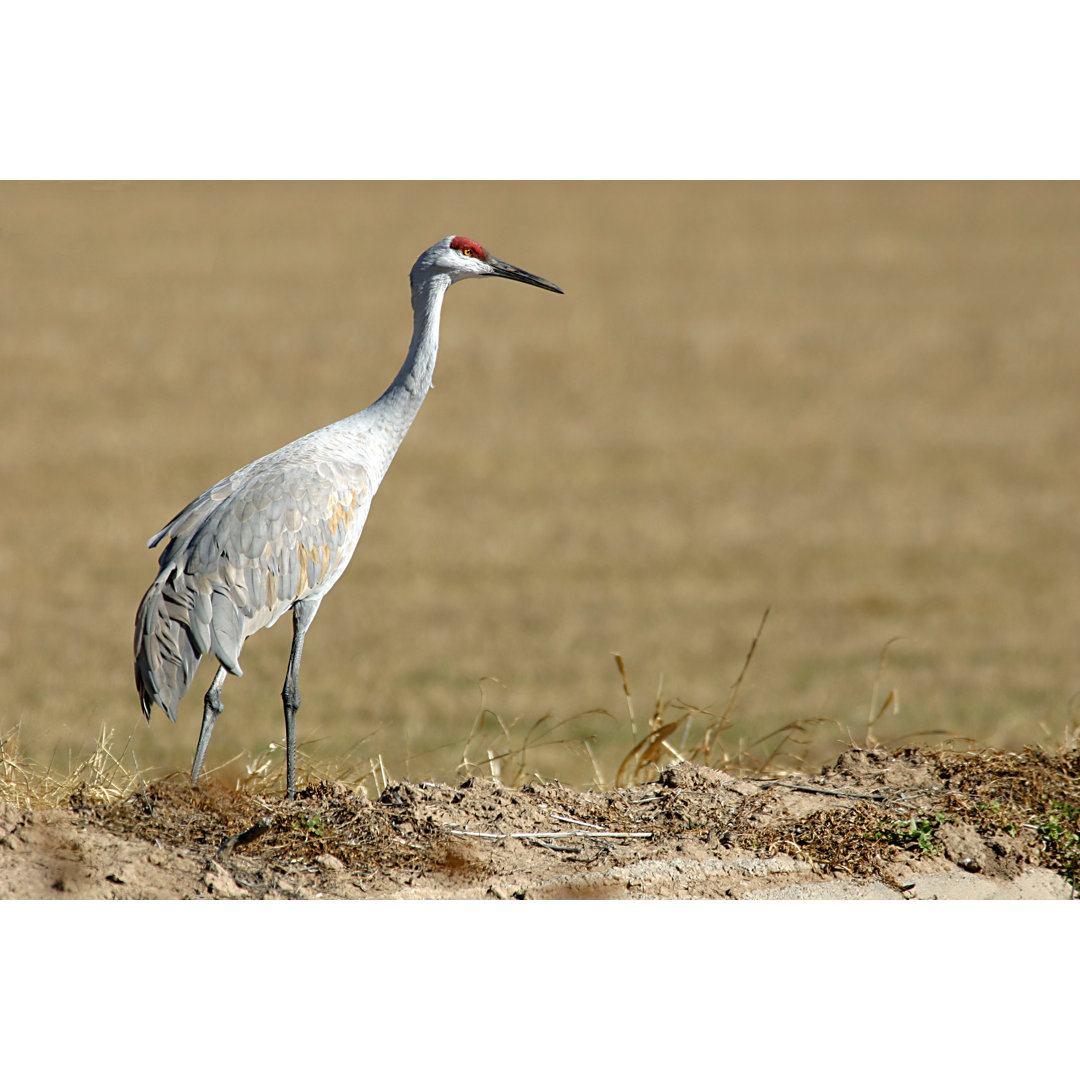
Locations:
(277, 534)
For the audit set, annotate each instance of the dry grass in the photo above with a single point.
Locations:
(109, 773)
(1029, 801)
(854, 404)
(1033, 795)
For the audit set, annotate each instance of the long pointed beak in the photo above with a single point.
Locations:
(504, 269)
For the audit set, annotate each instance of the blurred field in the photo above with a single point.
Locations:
(855, 403)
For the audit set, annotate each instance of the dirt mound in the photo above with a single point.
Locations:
(916, 823)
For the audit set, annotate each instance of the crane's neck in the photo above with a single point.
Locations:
(414, 378)
(392, 415)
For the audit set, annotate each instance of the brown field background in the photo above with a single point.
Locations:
(854, 403)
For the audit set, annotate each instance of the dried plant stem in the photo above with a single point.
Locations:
(575, 821)
(626, 692)
(892, 698)
(551, 835)
(724, 722)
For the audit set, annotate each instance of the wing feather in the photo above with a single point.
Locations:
(239, 556)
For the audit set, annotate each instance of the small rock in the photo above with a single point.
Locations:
(10, 818)
(329, 862)
(693, 777)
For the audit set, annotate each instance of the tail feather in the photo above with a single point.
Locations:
(226, 629)
(199, 622)
(172, 634)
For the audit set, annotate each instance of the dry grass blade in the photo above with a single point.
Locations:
(892, 698)
(483, 715)
(925, 734)
(892, 701)
(789, 731)
(599, 776)
(536, 737)
(626, 692)
(723, 723)
(646, 752)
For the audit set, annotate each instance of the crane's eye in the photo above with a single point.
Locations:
(469, 248)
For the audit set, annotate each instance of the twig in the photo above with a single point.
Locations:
(827, 791)
(256, 830)
(549, 835)
(574, 821)
(554, 847)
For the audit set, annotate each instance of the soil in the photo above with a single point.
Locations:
(915, 824)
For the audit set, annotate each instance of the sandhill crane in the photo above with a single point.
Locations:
(277, 534)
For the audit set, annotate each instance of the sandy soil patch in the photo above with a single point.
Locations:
(919, 824)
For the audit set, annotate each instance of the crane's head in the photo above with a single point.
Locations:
(458, 257)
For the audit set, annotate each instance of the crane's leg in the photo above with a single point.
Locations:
(303, 613)
(212, 709)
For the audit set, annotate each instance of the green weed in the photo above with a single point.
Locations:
(1059, 832)
(312, 824)
(917, 834)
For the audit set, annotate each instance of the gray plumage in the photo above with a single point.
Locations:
(277, 534)
(279, 530)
